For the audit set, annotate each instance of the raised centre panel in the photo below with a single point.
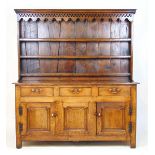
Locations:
(76, 118)
(76, 113)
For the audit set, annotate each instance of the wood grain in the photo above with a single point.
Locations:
(44, 47)
(54, 32)
(107, 122)
(124, 46)
(115, 47)
(104, 66)
(66, 48)
(29, 30)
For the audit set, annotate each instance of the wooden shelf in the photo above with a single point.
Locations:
(75, 57)
(75, 39)
(74, 74)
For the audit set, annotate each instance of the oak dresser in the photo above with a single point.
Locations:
(75, 76)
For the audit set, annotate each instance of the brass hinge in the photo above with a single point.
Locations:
(20, 110)
(20, 127)
(130, 127)
(130, 110)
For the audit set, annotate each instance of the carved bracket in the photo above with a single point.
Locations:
(74, 15)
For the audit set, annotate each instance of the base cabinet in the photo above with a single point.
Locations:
(75, 118)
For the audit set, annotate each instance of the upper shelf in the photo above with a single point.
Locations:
(74, 57)
(75, 14)
(76, 39)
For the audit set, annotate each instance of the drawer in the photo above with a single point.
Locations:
(114, 91)
(36, 91)
(75, 91)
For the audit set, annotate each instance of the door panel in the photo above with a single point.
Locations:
(77, 118)
(38, 118)
(112, 119)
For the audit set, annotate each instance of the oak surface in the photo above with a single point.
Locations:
(75, 76)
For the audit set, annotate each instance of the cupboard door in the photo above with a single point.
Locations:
(38, 118)
(77, 118)
(113, 119)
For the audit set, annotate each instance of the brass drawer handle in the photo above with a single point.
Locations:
(76, 90)
(36, 90)
(114, 90)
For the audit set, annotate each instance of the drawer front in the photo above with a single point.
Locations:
(75, 91)
(36, 91)
(114, 91)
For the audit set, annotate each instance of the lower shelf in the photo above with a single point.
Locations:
(75, 74)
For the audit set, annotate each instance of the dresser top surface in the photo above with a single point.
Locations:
(74, 82)
(75, 10)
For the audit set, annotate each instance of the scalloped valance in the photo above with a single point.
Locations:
(75, 14)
